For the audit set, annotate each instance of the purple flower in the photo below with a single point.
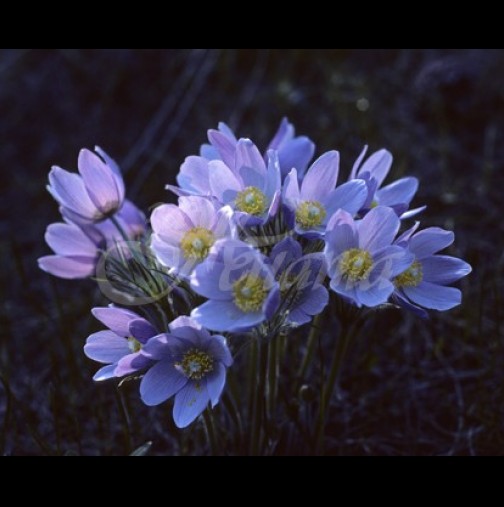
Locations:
(78, 248)
(184, 234)
(190, 365)
(397, 195)
(119, 348)
(194, 177)
(253, 189)
(301, 281)
(424, 284)
(77, 251)
(312, 205)
(361, 258)
(95, 194)
(241, 288)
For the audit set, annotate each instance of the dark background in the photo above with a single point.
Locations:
(411, 387)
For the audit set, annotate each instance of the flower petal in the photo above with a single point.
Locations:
(391, 261)
(430, 241)
(216, 382)
(170, 223)
(442, 270)
(357, 164)
(376, 294)
(222, 316)
(377, 166)
(224, 184)
(117, 320)
(321, 178)
(116, 171)
(105, 373)
(190, 403)
(224, 145)
(399, 192)
(194, 176)
(378, 229)
(350, 197)
(100, 182)
(131, 364)
(218, 349)
(434, 297)
(291, 193)
(142, 330)
(70, 240)
(296, 154)
(161, 382)
(69, 190)
(247, 155)
(106, 347)
(68, 268)
(210, 280)
(200, 211)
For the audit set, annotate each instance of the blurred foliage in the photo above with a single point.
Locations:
(409, 387)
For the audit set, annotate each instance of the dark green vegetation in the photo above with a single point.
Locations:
(408, 387)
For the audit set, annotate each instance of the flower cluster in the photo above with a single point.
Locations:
(254, 246)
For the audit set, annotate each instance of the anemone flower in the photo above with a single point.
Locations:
(361, 258)
(190, 364)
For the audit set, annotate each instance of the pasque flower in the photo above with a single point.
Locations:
(315, 202)
(184, 234)
(189, 364)
(119, 347)
(93, 195)
(425, 283)
(397, 195)
(194, 177)
(301, 281)
(361, 258)
(252, 189)
(78, 248)
(240, 287)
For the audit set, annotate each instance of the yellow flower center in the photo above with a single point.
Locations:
(250, 292)
(310, 214)
(196, 364)
(356, 265)
(413, 277)
(134, 345)
(196, 243)
(251, 201)
(374, 204)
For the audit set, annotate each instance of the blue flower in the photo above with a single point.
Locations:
(194, 176)
(190, 364)
(425, 283)
(253, 189)
(315, 202)
(119, 348)
(301, 281)
(397, 195)
(241, 288)
(361, 258)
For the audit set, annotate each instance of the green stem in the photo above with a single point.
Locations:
(273, 372)
(258, 416)
(328, 388)
(123, 411)
(117, 225)
(311, 346)
(210, 431)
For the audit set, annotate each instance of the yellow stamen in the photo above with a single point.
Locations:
(196, 364)
(196, 243)
(310, 214)
(250, 292)
(356, 265)
(251, 201)
(413, 277)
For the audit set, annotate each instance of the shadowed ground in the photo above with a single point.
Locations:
(409, 387)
